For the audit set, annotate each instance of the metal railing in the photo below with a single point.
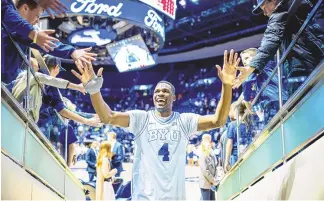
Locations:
(283, 108)
(30, 72)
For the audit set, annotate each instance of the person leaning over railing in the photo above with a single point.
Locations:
(254, 83)
(19, 89)
(282, 25)
(20, 23)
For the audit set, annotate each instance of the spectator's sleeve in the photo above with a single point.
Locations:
(271, 41)
(88, 161)
(85, 114)
(249, 87)
(120, 153)
(56, 101)
(13, 21)
(52, 81)
(62, 50)
(231, 132)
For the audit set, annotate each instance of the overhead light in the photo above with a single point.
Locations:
(183, 3)
(195, 1)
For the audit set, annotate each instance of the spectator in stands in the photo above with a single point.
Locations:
(222, 141)
(105, 173)
(54, 138)
(282, 25)
(217, 151)
(91, 160)
(233, 149)
(190, 154)
(19, 89)
(20, 26)
(118, 153)
(208, 169)
(54, 99)
(71, 144)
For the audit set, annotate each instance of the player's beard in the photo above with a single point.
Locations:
(166, 108)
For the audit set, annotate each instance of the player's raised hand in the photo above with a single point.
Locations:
(86, 70)
(228, 74)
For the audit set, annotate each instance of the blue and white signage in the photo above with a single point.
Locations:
(91, 7)
(90, 37)
(134, 12)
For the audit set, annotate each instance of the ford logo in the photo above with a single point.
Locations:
(91, 37)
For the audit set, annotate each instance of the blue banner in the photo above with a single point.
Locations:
(134, 12)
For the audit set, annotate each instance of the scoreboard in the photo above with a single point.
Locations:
(167, 7)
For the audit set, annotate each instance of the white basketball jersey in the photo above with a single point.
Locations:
(160, 154)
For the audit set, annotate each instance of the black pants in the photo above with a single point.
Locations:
(207, 194)
(91, 176)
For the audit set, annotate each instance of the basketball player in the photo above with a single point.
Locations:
(161, 135)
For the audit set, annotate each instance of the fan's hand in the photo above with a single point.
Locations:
(87, 72)
(245, 72)
(83, 55)
(54, 5)
(45, 41)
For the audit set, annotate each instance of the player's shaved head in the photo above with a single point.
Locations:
(166, 83)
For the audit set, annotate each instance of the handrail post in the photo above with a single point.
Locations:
(238, 122)
(279, 79)
(66, 122)
(27, 108)
(280, 102)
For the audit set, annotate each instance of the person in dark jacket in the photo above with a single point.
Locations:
(20, 23)
(307, 52)
(118, 151)
(91, 160)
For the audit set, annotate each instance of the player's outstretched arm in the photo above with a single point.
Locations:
(93, 83)
(227, 75)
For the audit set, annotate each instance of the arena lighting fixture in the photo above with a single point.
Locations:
(195, 1)
(183, 3)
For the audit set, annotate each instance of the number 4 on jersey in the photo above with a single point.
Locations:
(164, 151)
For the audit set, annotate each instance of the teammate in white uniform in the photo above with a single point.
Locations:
(161, 134)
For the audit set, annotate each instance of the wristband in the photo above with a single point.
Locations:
(35, 37)
(94, 85)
